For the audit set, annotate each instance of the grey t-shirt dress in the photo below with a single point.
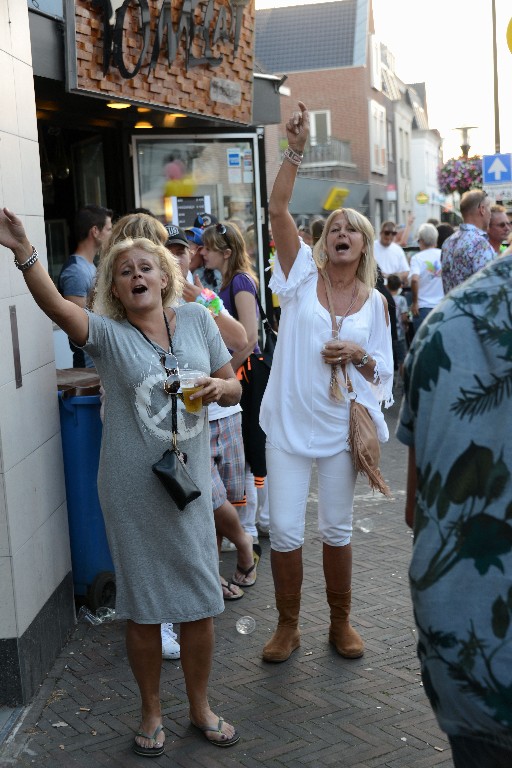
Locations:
(166, 561)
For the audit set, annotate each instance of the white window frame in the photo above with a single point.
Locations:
(312, 123)
(375, 63)
(378, 138)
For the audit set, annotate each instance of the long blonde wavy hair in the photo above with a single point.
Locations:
(367, 267)
(105, 303)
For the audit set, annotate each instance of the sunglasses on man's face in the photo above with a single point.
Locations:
(389, 232)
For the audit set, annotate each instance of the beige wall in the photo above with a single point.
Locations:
(34, 539)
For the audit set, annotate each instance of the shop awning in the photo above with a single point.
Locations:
(309, 195)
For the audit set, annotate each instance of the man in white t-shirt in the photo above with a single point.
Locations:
(389, 256)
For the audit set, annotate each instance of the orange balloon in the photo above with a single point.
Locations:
(509, 35)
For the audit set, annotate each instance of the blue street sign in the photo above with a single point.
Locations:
(497, 169)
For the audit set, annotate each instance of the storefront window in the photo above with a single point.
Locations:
(51, 7)
(177, 178)
(90, 184)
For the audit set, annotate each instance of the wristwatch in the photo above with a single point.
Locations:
(363, 362)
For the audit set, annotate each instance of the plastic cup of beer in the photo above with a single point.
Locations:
(189, 385)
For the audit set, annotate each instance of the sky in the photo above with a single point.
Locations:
(448, 44)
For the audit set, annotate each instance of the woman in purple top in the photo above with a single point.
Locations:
(224, 249)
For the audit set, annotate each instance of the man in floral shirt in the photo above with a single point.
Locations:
(468, 249)
(455, 418)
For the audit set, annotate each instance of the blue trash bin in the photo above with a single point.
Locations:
(93, 570)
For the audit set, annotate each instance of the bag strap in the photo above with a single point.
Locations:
(328, 292)
(174, 417)
(266, 323)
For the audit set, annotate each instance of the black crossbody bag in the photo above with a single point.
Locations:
(171, 469)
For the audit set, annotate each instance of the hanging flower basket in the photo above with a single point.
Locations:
(459, 175)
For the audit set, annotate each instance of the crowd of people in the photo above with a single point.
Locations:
(162, 299)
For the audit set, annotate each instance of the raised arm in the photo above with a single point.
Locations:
(284, 230)
(404, 235)
(68, 316)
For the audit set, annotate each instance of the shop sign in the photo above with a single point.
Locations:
(422, 198)
(335, 199)
(190, 26)
(191, 55)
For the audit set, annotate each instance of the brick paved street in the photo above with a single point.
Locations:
(317, 709)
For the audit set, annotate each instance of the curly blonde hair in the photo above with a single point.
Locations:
(367, 267)
(105, 303)
(134, 226)
(239, 261)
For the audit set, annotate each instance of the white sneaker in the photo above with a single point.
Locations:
(227, 546)
(263, 530)
(170, 646)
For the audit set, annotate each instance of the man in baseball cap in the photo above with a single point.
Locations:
(178, 245)
(176, 236)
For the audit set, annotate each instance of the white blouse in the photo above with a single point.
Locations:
(297, 414)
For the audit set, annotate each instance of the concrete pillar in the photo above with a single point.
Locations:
(36, 587)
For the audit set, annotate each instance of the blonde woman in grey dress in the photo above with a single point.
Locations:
(166, 561)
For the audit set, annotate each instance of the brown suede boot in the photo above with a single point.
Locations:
(286, 638)
(287, 574)
(342, 635)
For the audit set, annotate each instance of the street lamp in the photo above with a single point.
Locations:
(495, 69)
(464, 129)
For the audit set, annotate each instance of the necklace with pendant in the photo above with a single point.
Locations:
(353, 299)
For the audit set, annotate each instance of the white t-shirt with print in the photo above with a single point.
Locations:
(426, 265)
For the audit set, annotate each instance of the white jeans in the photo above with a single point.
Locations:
(288, 489)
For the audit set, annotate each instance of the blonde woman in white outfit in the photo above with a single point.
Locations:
(303, 423)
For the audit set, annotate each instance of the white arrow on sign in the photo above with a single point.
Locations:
(496, 168)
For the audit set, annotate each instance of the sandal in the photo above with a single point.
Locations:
(231, 591)
(256, 554)
(223, 742)
(154, 751)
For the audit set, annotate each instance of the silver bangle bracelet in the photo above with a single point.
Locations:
(292, 156)
(29, 262)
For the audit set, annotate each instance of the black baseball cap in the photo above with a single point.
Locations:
(176, 235)
(204, 220)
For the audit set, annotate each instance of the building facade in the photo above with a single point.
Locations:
(363, 117)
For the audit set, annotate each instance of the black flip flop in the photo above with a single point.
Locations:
(228, 585)
(154, 751)
(256, 555)
(216, 742)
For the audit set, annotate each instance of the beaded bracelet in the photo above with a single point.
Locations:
(29, 262)
(211, 301)
(293, 157)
